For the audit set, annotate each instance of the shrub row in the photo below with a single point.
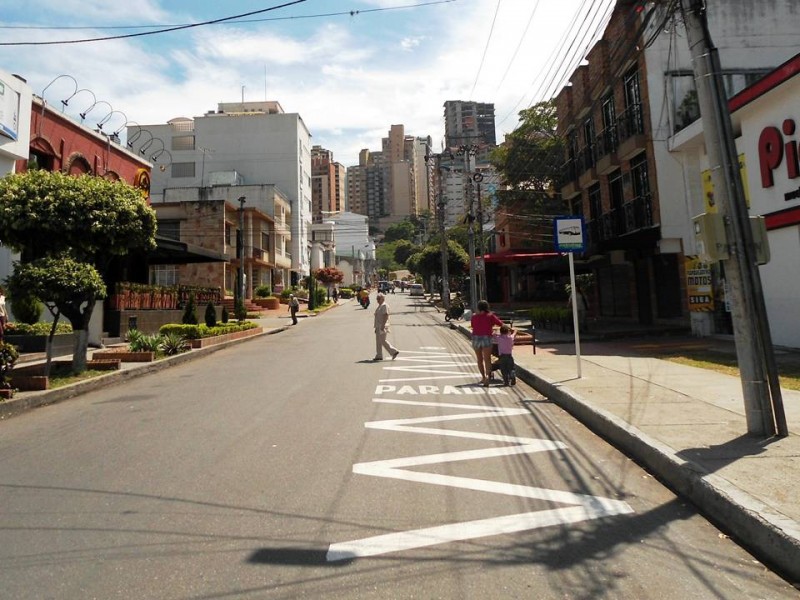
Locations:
(196, 332)
(41, 328)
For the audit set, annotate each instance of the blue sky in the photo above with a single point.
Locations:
(349, 77)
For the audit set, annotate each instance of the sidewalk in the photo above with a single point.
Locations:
(686, 425)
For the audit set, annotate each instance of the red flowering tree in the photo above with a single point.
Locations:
(329, 276)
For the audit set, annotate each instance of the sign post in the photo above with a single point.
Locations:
(569, 238)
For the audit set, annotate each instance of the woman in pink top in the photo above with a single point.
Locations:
(483, 323)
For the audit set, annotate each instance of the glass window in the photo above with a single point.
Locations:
(164, 275)
(183, 169)
(169, 229)
(639, 176)
(183, 142)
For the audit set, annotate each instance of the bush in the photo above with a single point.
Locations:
(195, 332)
(240, 311)
(286, 293)
(189, 313)
(211, 315)
(27, 309)
(346, 293)
(320, 297)
(36, 329)
(173, 343)
(263, 291)
(142, 342)
(225, 316)
(8, 358)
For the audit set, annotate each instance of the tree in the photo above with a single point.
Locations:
(428, 262)
(71, 288)
(530, 163)
(404, 230)
(329, 275)
(43, 213)
(81, 219)
(403, 249)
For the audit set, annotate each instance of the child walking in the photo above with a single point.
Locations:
(505, 362)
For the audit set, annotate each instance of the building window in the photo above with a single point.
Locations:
(595, 202)
(608, 138)
(631, 121)
(164, 275)
(588, 153)
(169, 229)
(183, 169)
(183, 142)
(639, 176)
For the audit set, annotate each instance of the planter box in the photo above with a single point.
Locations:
(268, 303)
(5, 394)
(220, 339)
(63, 343)
(124, 356)
(31, 378)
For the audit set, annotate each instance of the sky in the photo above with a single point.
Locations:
(350, 68)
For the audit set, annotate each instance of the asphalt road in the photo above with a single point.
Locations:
(293, 466)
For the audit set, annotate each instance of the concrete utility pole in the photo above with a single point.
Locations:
(473, 288)
(240, 248)
(440, 205)
(764, 414)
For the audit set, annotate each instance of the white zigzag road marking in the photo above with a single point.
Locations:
(584, 507)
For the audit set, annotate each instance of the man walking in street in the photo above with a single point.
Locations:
(381, 329)
(294, 306)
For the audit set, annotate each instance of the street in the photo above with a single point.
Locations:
(293, 466)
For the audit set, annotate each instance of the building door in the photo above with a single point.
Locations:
(643, 301)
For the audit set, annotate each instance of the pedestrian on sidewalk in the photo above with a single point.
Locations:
(335, 294)
(483, 323)
(3, 314)
(381, 329)
(505, 350)
(294, 306)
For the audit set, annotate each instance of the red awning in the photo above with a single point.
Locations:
(529, 257)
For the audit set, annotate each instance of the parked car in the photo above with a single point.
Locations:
(416, 289)
(384, 287)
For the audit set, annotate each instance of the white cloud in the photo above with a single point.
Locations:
(350, 79)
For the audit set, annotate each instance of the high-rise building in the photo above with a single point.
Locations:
(328, 184)
(469, 123)
(240, 143)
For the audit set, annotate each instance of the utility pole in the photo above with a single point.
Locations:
(481, 240)
(440, 205)
(473, 290)
(761, 389)
(240, 248)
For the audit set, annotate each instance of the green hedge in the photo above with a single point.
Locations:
(40, 328)
(195, 332)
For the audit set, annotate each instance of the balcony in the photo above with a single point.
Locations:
(607, 143)
(636, 214)
(569, 176)
(260, 255)
(587, 159)
(631, 131)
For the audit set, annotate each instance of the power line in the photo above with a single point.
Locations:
(491, 31)
(165, 30)
(519, 45)
(235, 19)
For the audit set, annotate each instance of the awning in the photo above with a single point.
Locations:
(174, 252)
(527, 257)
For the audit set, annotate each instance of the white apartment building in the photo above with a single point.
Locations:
(253, 143)
(15, 138)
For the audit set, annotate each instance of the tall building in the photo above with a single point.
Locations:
(240, 143)
(328, 184)
(469, 123)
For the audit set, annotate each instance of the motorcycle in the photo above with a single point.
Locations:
(364, 302)
(456, 311)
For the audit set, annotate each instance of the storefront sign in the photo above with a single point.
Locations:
(774, 149)
(9, 111)
(699, 286)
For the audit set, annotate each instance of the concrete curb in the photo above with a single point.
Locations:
(768, 534)
(16, 406)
